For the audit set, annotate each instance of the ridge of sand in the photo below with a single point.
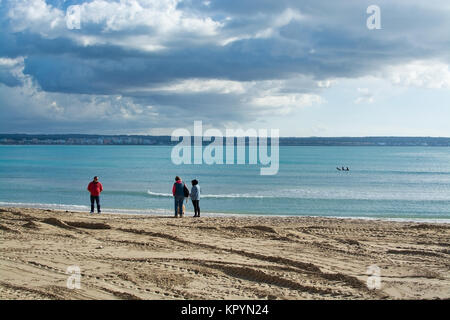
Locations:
(141, 257)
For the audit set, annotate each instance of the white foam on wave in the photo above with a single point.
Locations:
(158, 194)
(81, 208)
(250, 196)
(54, 206)
(330, 194)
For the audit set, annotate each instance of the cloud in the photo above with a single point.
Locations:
(10, 70)
(134, 64)
(326, 83)
(200, 85)
(34, 15)
(214, 100)
(34, 109)
(365, 96)
(422, 73)
(273, 25)
(285, 103)
(139, 24)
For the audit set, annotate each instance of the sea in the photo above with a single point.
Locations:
(393, 183)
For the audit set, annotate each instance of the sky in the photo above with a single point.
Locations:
(307, 68)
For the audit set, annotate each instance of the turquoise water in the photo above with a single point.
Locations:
(384, 182)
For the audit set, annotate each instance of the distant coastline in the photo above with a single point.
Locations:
(87, 139)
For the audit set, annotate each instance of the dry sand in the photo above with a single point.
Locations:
(141, 257)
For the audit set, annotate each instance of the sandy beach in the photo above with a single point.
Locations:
(155, 257)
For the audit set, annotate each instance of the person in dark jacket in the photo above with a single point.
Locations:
(95, 188)
(179, 191)
(195, 197)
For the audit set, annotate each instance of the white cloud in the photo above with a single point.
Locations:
(202, 85)
(421, 73)
(281, 20)
(152, 22)
(274, 23)
(285, 103)
(162, 15)
(14, 67)
(365, 96)
(326, 83)
(34, 15)
(286, 17)
(270, 96)
(8, 62)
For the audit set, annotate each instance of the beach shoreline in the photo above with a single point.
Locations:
(129, 256)
(159, 212)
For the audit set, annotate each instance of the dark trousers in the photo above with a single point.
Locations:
(96, 199)
(196, 204)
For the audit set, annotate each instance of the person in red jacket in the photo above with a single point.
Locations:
(95, 188)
